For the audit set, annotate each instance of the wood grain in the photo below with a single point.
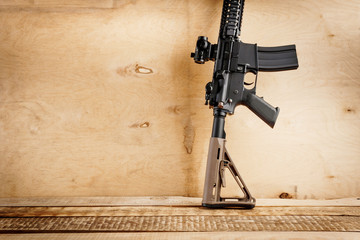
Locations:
(58, 3)
(182, 235)
(162, 201)
(174, 211)
(101, 98)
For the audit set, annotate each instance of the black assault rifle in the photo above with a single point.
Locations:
(233, 59)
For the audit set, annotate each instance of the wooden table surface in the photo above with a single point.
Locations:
(159, 216)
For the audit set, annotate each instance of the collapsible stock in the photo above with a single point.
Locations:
(218, 160)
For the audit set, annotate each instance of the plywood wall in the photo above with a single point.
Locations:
(101, 98)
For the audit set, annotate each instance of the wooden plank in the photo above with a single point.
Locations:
(149, 218)
(57, 3)
(74, 3)
(101, 75)
(175, 211)
(101, 201)
(181, 235)
(98, 102)
(179, 224)
(17, 3)
(160, 201)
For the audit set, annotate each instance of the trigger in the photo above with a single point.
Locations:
(248, 84)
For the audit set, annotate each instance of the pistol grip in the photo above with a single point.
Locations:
(262, 109)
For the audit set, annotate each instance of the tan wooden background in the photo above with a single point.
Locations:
(101, 98)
